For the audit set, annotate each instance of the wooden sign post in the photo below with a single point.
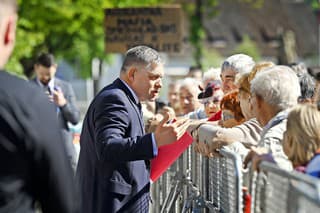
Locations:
(156, 27)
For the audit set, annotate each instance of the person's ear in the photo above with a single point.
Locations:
(10, 31)
(131, 73)
(55, 66)
(259, 101)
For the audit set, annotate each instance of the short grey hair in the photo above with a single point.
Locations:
(278, 86)
(240, 63)
(212, 74)
(141, 55)
(307, 86)
(191, 83)
(298, 68)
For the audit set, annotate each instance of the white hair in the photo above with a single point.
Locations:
(278, 86)
(212, 74)
(191, 83)
(240, 63)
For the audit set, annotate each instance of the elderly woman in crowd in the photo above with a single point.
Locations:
(247, 133)
(211, 98)
(232, 114)
(190, 105)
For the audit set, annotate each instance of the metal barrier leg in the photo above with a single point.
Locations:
(175, 190)
(189, 191)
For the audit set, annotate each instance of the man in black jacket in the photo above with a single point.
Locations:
(33, 163)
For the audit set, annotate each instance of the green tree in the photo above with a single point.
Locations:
(70, 29)
(73, 29)
(195, 10)
(314, 4)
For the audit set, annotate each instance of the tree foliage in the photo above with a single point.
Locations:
(195, 11)
(73, 29)
(314, 4)
(70, 29)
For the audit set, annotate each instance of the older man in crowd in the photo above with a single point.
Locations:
(233, 65)
(273, 92)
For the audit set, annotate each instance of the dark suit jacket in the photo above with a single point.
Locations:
(33, 162)
(68, 113)
(113, 168)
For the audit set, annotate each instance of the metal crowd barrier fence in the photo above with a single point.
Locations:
(271, 188)
(225, 182)
(198, 184)
(306, 199)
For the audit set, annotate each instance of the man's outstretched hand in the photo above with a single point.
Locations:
(168, 132)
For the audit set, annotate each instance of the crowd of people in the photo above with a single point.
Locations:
(260, 110)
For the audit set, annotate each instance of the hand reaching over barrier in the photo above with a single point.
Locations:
(255, 156)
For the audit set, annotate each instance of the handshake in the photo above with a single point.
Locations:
(208, 137)
(208, 140)
(168, 129)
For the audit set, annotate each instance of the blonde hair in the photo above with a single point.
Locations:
(302, 136)
(243, 81)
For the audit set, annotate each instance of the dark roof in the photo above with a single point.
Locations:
(263, 25)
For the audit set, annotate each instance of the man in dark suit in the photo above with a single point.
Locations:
(113, 170)
(33, 162)
(62, 96)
